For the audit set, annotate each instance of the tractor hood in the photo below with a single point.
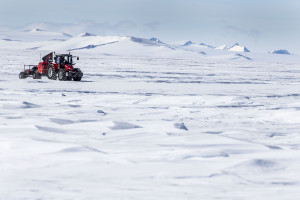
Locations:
(69, 67)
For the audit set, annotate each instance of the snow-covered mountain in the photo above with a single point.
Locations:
(191, 44)
(238, 48)
(280, 51)
(156, 40)
(86, 34)
(222, 47)
(34, 35)
(37, 39)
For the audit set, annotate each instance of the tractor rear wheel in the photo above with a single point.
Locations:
(69, 77)
(62, 75)
(51, 73)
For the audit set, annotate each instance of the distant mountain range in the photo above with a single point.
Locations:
(37, 39)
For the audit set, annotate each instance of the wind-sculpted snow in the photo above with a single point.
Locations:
(215, 126)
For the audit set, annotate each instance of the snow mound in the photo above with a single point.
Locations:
(238, 48)
(280, 51)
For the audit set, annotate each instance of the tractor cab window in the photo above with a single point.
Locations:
(59, 59)
(64, 59)
(68, 59)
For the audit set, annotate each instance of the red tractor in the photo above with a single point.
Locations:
(53, 66)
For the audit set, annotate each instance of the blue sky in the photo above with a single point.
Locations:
(261, 25)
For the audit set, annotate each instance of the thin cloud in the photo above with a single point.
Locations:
(77, 27)
(152, 26)
(235, 30)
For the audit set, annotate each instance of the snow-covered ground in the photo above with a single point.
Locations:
(152, 121)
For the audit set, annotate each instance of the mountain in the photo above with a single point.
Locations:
(34, 30)
(86, 34)
(280, 51)
(155, 40)
(180, 43)
(206, 45)
(238, 48)
(42, 40)
(34, 35)
(116, 45)
(189, 43)
(222, 47)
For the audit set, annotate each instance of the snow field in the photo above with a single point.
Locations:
(151, 127)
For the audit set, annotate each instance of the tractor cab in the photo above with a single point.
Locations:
(65, 61)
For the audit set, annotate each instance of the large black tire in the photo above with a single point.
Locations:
(22, 75)
(36, 75)
(62, 75)
(51, 73)
(39, 76)
(77, 74)
(69, 78)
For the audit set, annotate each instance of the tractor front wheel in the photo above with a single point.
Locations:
(51, 73)
(62, 75)
(77, 74)
(36, 75)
